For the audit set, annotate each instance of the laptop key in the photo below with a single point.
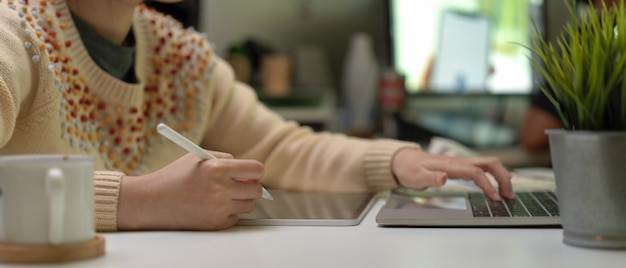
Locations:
(516, 208)
(553, 195)
(548, 203)
(478, 203)
(535, 209)
(498, 209)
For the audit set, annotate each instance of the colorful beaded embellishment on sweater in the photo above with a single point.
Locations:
(121, 135)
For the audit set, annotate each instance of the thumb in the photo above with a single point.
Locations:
(424, 179)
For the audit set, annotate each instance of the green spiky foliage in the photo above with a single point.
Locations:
(585, 72)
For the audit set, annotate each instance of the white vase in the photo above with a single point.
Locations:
(360, 83)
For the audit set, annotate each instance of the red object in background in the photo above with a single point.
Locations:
(391, 94)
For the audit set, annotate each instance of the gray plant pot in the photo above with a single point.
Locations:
(590, 171)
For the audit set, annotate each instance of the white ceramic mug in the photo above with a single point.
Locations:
(46, 200)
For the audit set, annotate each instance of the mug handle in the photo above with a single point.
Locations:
(56, 193)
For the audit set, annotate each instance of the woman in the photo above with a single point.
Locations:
(96, 77)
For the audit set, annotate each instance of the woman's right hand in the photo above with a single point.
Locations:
(190, 194)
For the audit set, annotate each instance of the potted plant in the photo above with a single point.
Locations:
(585, 79)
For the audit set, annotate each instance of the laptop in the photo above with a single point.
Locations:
(292, 208)
(464, 209)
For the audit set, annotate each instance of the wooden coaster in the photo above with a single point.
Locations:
(52, 254)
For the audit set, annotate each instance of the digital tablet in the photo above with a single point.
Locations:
(462, 60)
(309, 209)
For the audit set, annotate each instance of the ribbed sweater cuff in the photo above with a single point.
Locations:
(378, 173)
(107, 190)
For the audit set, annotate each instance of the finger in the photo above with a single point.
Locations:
(222, 223)
(228, 169)
(425, 178)
(248, 180)
(240, 168)
(484, 184)
(506, 188)
(221, 155)
(245, 190)
(462, 170)
(497, 170)
(504, 184)
(230, 221)
(242, 206)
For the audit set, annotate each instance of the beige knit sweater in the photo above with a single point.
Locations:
(55, 99)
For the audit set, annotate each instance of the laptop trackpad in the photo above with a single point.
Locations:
(447, 206)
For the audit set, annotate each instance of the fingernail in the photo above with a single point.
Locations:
(495, 196)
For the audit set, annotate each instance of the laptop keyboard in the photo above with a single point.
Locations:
(525, 204)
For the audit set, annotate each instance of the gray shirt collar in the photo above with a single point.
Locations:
(118, 61)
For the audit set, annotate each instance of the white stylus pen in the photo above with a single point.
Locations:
(193, 148)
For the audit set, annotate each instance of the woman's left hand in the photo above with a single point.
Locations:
(419, 170)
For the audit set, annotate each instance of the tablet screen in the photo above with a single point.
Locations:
(461, 64)
(309, 208)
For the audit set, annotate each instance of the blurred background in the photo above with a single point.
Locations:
(406, 69)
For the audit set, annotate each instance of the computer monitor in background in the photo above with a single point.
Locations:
(416, 25)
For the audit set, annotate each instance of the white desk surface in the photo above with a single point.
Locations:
(365, 245)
